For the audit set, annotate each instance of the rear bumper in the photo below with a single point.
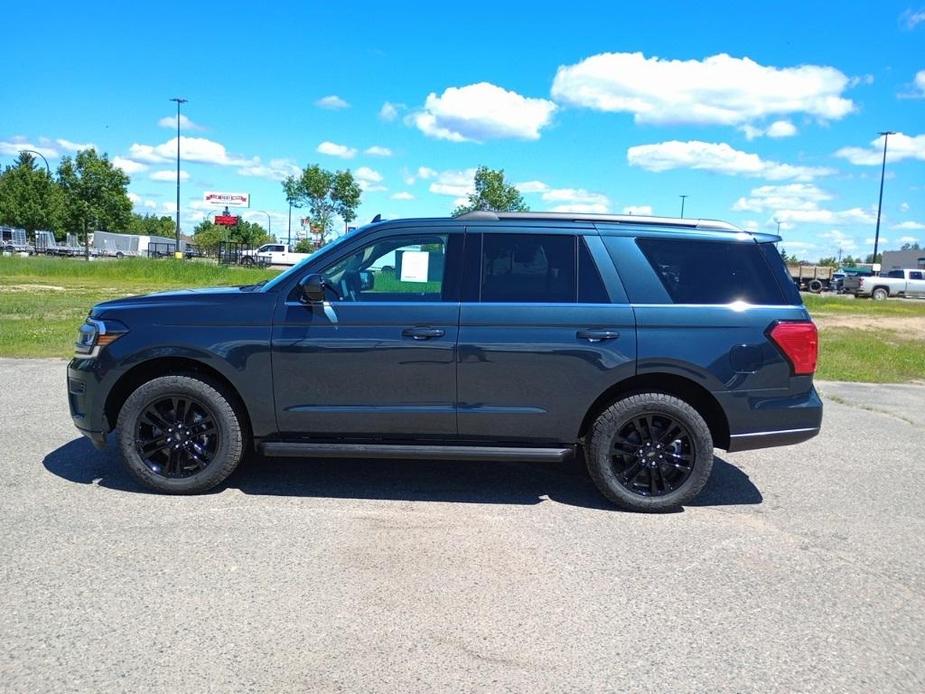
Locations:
(764, 419)
(767, 439)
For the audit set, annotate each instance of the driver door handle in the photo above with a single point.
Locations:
(423, 333)
(598, 335)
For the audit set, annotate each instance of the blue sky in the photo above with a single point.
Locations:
(756, 112)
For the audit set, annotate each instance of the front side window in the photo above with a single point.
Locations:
(528, 268)
(401, 268)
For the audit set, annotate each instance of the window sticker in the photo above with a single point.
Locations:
(414, 266)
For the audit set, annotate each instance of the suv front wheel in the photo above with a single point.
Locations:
(650, 452)
(180, 434)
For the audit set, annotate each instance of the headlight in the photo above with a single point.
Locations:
(94, 334)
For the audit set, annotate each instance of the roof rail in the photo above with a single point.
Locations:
(485, 215)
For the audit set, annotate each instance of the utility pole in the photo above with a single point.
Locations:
(683, 198)
(179, 101)
(778, 225)
(289, 240)
(886, 136)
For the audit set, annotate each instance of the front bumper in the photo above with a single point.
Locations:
(86, 400)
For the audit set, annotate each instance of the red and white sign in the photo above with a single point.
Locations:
(228, 220)
(227, 199)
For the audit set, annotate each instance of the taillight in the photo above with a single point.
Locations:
(799, 342)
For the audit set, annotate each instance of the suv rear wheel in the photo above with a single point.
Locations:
(650, 452)
(180, 434)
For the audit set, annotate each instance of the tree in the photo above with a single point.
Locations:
(94, 193)
(151, 225)
(871, 259)
(910, 246)
(29, 198)
(326, 194)
(207, 235)
(830, 261)
(493, 193)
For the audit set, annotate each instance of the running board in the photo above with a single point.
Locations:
(287, 449)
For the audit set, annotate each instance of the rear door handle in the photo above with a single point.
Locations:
(423, 333)
(598, 335)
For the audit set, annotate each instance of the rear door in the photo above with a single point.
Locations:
(915, 286)
(542, 334)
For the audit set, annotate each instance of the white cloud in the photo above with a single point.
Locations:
(904, 207)
(582, 208)
(168, 175)
(14, 147)
(644, 210)
(276, 169)
(909, 225)
(777, 129)
(908, 239)
(917, 89)
(717, 157)
(134, 197)
(192, 149)
(74, 146)
(151, 204)
(532, 187)
(840, 240)
(185, 123)
(719, 90)
(482, 111)
(750, 225)
(403, 195)
(910, 19)
(899, 147)
(426, 172)
(869, 241)
(332, 103)
(390, 111)
(369, 179)
(335, 150)
(799, 203)
(129, 166)
(457, 184)
(377, 151)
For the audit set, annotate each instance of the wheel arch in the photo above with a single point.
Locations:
(174, 366)
(691, 392)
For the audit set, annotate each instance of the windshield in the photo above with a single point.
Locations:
(295, 269)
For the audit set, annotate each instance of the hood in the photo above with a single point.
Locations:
(201, 303)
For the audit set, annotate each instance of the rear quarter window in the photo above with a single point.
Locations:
(719, 272)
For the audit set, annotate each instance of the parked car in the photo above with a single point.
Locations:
(272, 254)
(908, 283)
(643, 342)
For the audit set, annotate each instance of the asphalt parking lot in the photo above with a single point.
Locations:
(798, 569)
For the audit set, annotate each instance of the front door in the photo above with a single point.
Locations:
(378, 359)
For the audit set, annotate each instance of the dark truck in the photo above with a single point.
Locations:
(642, 342)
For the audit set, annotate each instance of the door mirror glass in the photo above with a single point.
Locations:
(313, 287)
(367, 280)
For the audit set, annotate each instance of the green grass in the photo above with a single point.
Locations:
(44, 300)
(845, 305)
(882, 356)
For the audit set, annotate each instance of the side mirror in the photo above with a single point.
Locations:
(313, 287)
(367, 280)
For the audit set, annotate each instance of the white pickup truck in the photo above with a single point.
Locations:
(907, 283)
(272, 254)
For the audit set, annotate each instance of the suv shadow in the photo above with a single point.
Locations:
(460, 482)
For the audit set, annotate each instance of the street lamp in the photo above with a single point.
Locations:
(683, 198)
(179, 101)
(886, 136)
(269, 221)
(32, 151)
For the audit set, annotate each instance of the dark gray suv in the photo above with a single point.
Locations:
(642, 342)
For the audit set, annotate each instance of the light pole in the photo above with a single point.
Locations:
(886, 136)
(778, 225)
(683, 198)
(269, 221)
(32, 151)
(179, 101)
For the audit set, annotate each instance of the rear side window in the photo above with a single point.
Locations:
(591, 288)
(528, 268)
(714, 272)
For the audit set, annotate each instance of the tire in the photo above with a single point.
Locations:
(247, 260)
(200, 461)
(880, 294)
(626, 420)
(119, 254)
(815, 286)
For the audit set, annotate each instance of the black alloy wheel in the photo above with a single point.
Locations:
(652, 454)
(176, 436)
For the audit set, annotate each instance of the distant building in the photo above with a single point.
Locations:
(894, 260)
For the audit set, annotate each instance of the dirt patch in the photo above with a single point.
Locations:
(912, 327)
(30, 288)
